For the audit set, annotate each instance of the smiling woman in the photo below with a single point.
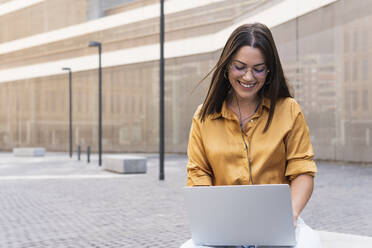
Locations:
(247, 74)
(250, 130)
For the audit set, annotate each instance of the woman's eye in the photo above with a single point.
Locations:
(259, 70)
(239, 67)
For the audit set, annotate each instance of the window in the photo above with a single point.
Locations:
(124, 135)
(17, 102)
(133, 104)
(355, 71)
(365, 100)
(126, 104)
(53, 101)
(355, 43)
(46, 101)
(140, 103)
(104, 101)
(86, 102)
(346, 42)
(355, 100)
(346, 71)
(118, 102)
(347, 101)
(38, 104)
(137, 133)
(79, 103)
(365, 40)
(62, 101)
(112, 105)
(365, 69)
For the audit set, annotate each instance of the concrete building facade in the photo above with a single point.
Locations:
(325, 47)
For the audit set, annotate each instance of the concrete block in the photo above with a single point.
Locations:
(29, 151)
(126, 164)
(342, 240)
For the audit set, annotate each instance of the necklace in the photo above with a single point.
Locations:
(249, 116)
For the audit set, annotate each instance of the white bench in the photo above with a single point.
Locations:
(29, 151)
(342, 240)
(126, 164)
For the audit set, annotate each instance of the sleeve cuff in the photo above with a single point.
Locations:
(292, 177)
(299, 166)
(199, 181)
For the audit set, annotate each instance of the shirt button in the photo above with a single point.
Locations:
(252, 120)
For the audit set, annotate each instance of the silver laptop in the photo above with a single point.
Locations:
(241, 215)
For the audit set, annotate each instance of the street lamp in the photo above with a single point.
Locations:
(161, 114)
(99, 45)
(70, 104)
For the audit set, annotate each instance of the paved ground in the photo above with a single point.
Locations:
(58, 202)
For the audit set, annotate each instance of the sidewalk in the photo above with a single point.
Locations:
(57, 202)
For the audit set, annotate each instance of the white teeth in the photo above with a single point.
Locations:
(247, 85)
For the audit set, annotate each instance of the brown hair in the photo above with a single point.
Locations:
(259, 36)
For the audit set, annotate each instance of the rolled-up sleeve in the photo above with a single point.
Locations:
(299, 151)
(198, 170)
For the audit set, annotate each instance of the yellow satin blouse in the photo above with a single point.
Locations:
(217, 154)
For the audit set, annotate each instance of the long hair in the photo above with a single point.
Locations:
(259, 36)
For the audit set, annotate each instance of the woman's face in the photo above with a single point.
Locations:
(247, 72)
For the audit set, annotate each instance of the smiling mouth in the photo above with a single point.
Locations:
(247, 85)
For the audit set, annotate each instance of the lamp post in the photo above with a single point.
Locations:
(161, 114)
(70, 105)
(99, 45)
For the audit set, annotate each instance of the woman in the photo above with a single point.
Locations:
(249, 129)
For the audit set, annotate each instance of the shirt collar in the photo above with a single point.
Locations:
(266, 102)
(225, 113)
(228, 114)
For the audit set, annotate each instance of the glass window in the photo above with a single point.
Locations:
(113, 97)
(46, 101)
(365, 69)
(365, 100)
(124, 135)
(83, 102)
(140, 105)
(126, 104)
(355, 43)
(17, 103)
(118, 103)
(79, 105)
(105, 103)
(355, 100)
(346, 42)
(355, 71)
(136, 133)
(38, 104)
(348, 101)
(53, 101)
(365, 40)
(133, 104)
(62, 101)
(346, 71)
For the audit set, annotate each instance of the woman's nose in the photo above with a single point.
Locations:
(248, 76)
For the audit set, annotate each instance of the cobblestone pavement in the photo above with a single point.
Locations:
(58, 202)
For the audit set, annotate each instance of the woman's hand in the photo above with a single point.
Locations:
(294, 220)
(301, 189)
